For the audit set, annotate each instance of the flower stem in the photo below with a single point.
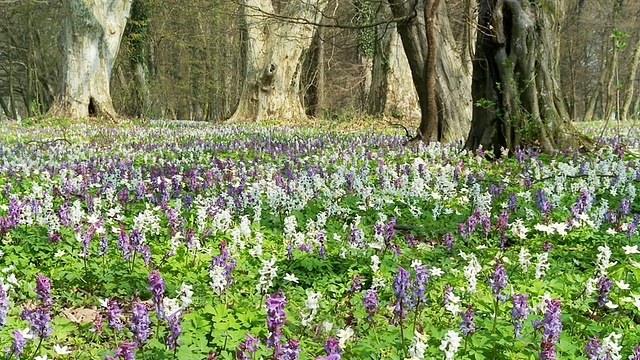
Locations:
(495, 315)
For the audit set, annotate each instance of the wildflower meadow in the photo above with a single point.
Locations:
(186, 240)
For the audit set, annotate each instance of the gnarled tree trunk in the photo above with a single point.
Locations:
(515, 90)
(273, 49)
(392, 91)
(452, 79)
(92, 35)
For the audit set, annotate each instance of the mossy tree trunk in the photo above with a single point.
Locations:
(516, 93)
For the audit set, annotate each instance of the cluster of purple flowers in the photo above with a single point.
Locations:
(498, 280)
(551, 326)
(604, 287)
(370, 302)
(126, 351)
(468, 227)
(247, 348)
(593, 349)
(173, 328)
(543, 204)
(113, 315)
(448, 241)
(225, 261)
(39, 318)
(17, 345)
(401, 290)
(332, 349)
(156, 286)
(275, 320)
(519, 313)
(467, 326)
(140, 323)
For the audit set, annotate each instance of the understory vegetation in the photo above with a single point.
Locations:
(184, 240)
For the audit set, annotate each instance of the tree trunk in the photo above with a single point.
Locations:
(392, 91)
(453, 82)
(518, 99)
(628, 99)
(273, 51)
(92, 34)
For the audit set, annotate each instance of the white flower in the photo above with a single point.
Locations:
(435, 271)
(611, 231)
(603, 260)
(61, 350)
(42, 357)
(471, 270)
(311, 305)
(291, 277)
(327, 326)
(610, 348)
(418, 347)
(218, 279)
(450, 344)
(59, 253)
(631, 249)
(375, 263)
(26, 333)
(104, 302)
(542, 265)
(171, 306)
(610, 305)
(343, 336)
(185, 293)
(590, 286)
(622, 285)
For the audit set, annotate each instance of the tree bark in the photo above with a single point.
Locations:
(628, 99)
(273, 51)
(392, 90)
(92, 35)
(453, 82)
(518, 100)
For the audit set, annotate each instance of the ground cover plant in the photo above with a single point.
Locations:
(191, 241)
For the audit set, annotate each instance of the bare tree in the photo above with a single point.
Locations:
(92, 34)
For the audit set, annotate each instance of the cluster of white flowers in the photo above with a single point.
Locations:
(450, 344)
(221, 221)
(471, 271)
(418, 347)
(268, 272)
(542, 265)
(256, 250)
(518, 229)
(343, 336)
(311, 306)
(524, 258)
(218, 279)
(378, 279)
(452, 303)
(610, 348)
(603, 260)
(147, 222)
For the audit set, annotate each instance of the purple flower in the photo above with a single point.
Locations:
(541, 201)
(290, 350)
(356, 284)
(113, 315)
(332, 347)
(4, 306)
(400, 289)
(139, 323)
(96, 324)
(225, 261)
(636, 353)
(551, 326)
(275, 320)
(448, 241)
(17, 347)
(126, 351)
(419, 290)
(603, 286)
(247, 348)
(43, 289)
(520, 312)
(512, 202)
(467, 325)
(593, 348)
(547, 246)
(370, 302)
(330, 357)
(625, 207)
(498, 280)
(173, 327)
(39, 320)
(156, 286)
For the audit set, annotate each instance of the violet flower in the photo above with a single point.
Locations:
(17, 346)
(356, 284)
(332, 347)
(247, 348)
(400, 289)
(275, 320)
(603, 286)
(124, 351)
(370, 302)
(140, 323)
(551, 326)
(448, 241)
(498, 280)
(4, 306)
(113, 315)
(593, 349)
(467, 326)
(635, 355)
(290, 350)
(173, 327)
(156, 286)
(519, 313)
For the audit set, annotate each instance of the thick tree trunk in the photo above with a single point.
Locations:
(518, 99)
(453, 82)
(392, 91)
(273, 54)
(628, 99)
(92, 35)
